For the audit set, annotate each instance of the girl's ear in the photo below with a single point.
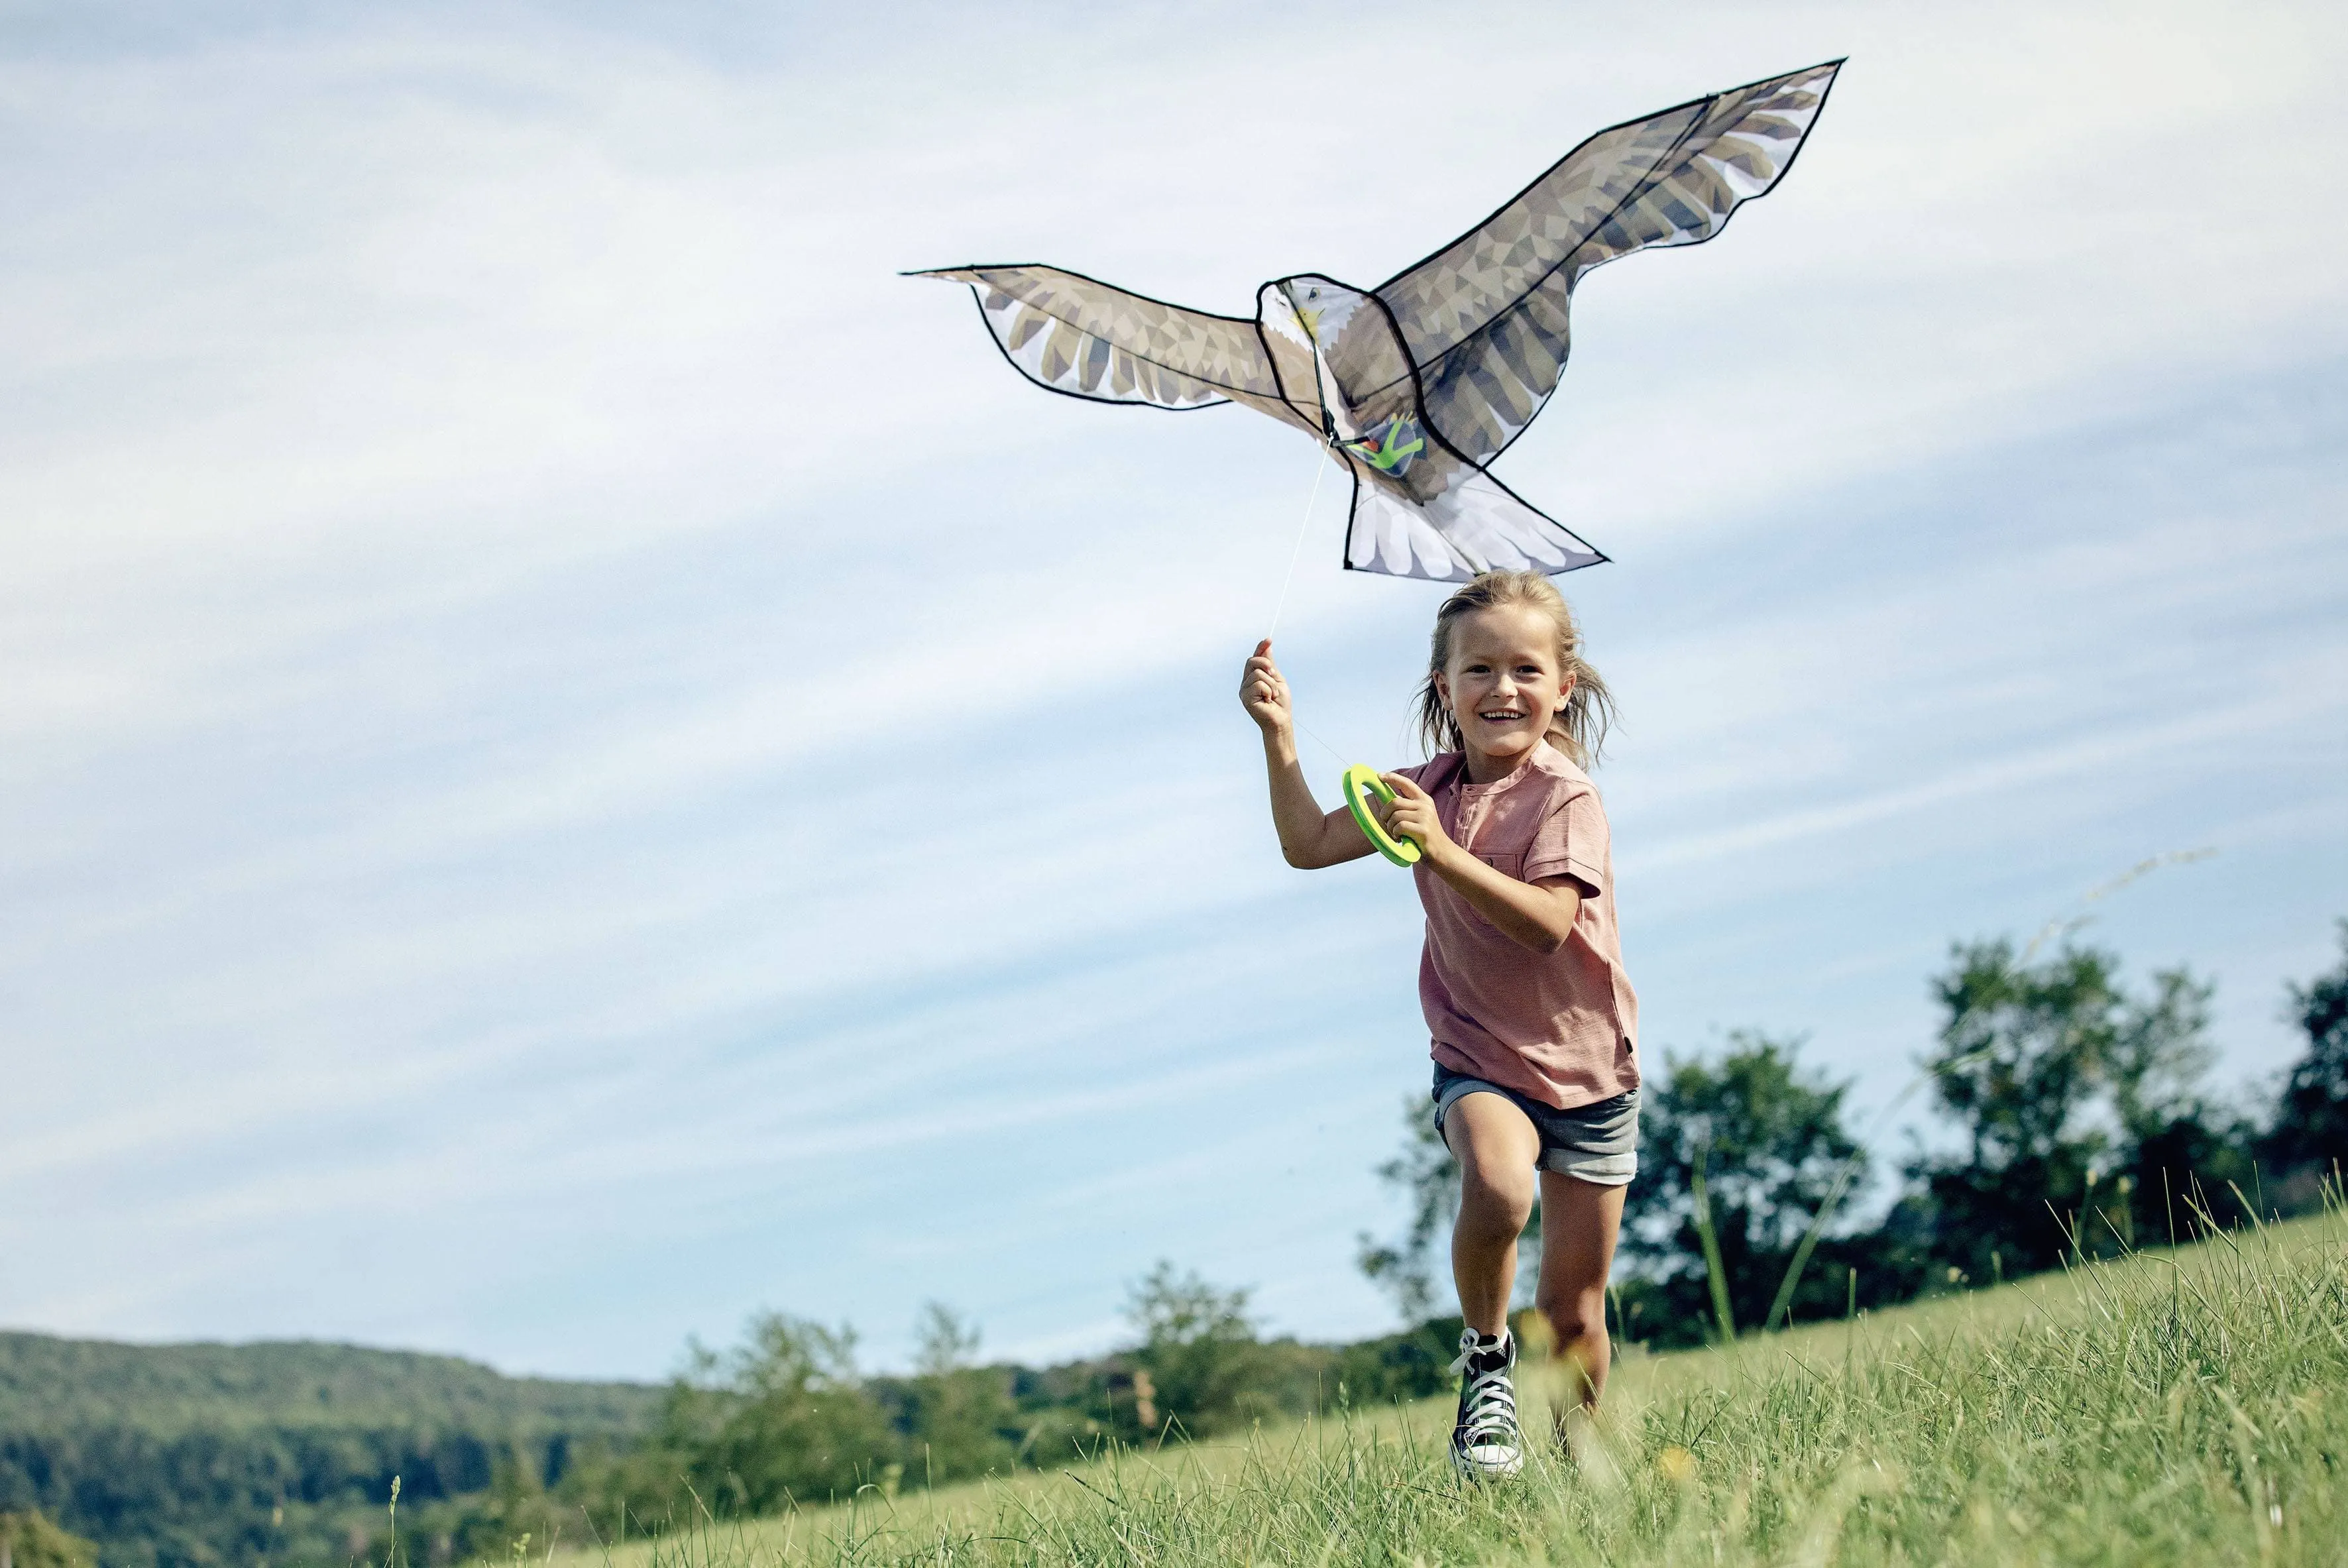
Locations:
(1564, 693)
(1442, 689)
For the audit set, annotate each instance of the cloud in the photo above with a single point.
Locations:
(550, 695)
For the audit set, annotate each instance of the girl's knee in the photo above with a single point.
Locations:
(1493, 1200)
(1572, 1315)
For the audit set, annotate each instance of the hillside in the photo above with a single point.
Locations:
(165, 1389)
(2186, 1408)
(182, 1456)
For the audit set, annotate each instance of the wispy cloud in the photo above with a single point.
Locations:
(549, 695)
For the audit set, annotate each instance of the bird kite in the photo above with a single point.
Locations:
(1421, 382)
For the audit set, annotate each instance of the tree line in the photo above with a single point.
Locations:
(784, 1419)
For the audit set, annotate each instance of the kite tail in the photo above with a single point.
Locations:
(1478, 525)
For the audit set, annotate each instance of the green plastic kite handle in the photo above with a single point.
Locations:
(1362, 779)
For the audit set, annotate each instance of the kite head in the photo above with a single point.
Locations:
(1282, 318)
(1352, 351)
(1309, 308)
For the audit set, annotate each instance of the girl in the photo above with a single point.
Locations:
(1532, 1020)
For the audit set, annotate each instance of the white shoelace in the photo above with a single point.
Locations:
(1490, 1412)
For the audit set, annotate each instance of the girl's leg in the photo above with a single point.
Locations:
(1580, 1221)
(1497, 1148)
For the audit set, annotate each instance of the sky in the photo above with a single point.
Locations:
(579, 759)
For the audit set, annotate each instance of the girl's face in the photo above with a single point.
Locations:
(1502, 682)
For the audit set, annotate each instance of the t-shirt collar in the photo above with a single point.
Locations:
(1534, 762)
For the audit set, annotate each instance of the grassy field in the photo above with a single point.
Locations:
(2187, 1407)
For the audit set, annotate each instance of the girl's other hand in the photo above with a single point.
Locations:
(1411, 815)
(1264, 694)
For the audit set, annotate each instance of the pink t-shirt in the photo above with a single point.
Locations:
(1560, 1027)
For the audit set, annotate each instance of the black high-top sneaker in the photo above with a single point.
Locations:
(1485, 1445)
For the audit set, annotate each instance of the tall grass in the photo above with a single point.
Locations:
(2187, 1407)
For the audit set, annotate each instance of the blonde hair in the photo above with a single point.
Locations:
(1580, 730)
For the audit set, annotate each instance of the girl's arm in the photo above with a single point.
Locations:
(1539, 915)
(1309, 838)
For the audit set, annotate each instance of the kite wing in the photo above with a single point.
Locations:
(1078, 336)
(1485, 319)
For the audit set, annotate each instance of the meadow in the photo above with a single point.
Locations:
(2187, 1406)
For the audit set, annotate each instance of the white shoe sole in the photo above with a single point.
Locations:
(1486, 1461)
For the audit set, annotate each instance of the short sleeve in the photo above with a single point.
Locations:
(1571, 842)
(1432, 774)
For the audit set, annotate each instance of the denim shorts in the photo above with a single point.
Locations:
(1597, 1143)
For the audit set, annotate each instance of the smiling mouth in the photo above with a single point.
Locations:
(1501, 716)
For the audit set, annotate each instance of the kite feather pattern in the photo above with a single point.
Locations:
(1418, 384)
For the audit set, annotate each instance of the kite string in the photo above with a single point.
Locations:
(1319, 468)
(1333, 751)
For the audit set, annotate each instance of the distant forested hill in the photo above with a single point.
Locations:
(188, 1456)
(169, 1389)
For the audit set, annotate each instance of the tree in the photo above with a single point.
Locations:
(781, 1418)
(1199, 1348)
(1774, 1153)
(2311, 1122)
(961, 1421)
(2059, 1079)
(515, 1509)
(2183, 1156)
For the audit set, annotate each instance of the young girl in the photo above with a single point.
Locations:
(1533, 1023)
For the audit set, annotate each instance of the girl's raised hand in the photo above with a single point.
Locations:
(1411, 815)
(1264, 694)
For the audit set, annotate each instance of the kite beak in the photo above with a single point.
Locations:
(1278, 311)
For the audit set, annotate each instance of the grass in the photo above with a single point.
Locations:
(2187, 1407)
